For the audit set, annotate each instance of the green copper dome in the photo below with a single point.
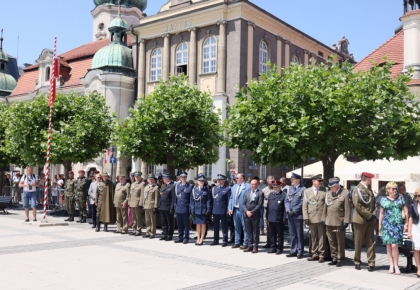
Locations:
(3, 55)
(113, 55)
(7, 83)
(118, 22)
(140, 4)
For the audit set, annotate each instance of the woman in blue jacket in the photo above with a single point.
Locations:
(200, 207)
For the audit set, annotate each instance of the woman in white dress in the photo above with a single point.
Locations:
(414, 228)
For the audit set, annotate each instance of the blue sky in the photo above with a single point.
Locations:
(366, 23)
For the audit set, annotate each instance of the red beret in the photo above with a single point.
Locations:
(17, 173)
(70, 172)
(275, 182)
(368, 175)
(81, 171)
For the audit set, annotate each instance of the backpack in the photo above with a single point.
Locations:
(24, 177)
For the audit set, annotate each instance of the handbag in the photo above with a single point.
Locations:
(408, 245)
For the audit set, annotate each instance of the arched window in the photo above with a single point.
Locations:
(182, 58)
(47, 74)
(209, 55)
(2, 66)
(295, 59)
(156, 65)
(263, 57)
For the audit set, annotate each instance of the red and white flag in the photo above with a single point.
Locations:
(107, 156)
(54, 75)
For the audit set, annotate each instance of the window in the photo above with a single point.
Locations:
(47, 74)
(156, 65)
(263, 57)
(182, 58)
(295, 59)
(209, 55)
(151, 169)
(263, 171)
(208, 170)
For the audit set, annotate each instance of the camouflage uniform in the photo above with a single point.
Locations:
(80, 189)
(69, 195)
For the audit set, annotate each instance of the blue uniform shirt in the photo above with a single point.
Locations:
(182, 198)
(200, 202)
(220, 195)
(294, 201)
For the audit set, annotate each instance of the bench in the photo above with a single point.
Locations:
(5, 201)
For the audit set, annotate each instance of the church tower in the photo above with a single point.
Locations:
(7, 82)
(411, 25)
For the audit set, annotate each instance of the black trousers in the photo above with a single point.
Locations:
(92, 209)
(252, 225)
(216, 219)
(277, 235)
(167, 222)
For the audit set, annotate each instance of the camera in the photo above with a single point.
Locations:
(30, 187)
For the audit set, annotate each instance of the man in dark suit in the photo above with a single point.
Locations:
(294, 201)
(166, 207)
(220, 196)
(183, 191)
(253, 201)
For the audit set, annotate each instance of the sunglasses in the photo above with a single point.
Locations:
(394, 188)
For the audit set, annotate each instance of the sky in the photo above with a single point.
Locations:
(366, 23)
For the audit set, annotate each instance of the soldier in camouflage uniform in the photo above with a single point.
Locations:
(69, 195)
(80, 189)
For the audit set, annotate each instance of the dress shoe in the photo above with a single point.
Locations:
(279, 252)
(231, 241)
(66, 220)
(91, 223)
(124, 233)
(339, 264)
(255, 250)
(358, 267)
(185, 242)
(235, 246)
(163, 238)
(105, 228)
(168, 239)
(291, 255)
(83, 220)
(117, 232)
(146, 236)
(246, 250)
(214, 244)
(178, 241)
(243, 247)
(321, 260)
(93, 226)
(151, 237)
(71, 218)
(272, 251)
(371, 268)
(224, 245)
(137, 234)
(79, 220)
(300, 257)
(267, 246)
(262, 233)
(313, 258)
(200, 244)
(332, 263)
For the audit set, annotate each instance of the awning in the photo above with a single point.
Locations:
(318, 168)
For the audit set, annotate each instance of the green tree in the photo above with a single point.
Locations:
(175, 125)
(81, 129)
(5, 159)
(325, 110)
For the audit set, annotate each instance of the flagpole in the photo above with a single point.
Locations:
(53, 82)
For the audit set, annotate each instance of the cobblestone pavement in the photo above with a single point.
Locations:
(106, 258)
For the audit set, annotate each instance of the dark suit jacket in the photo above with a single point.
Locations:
(182, 198)
(414, 212)
(167, 196)
(253, 204)
(276, 207)
(221, 202)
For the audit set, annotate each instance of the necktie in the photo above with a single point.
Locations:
(237, 195)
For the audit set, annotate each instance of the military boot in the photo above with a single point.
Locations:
(68, 219)
(83, 220)
(98, 227)
(71, 219)
(80, 219)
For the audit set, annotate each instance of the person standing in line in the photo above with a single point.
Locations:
(253, 201)
(29, 182)
(93, 188)
(166, 207)
(313, 215)
(200, 207)
(392, 225)
(220, 194)
(80, 190)
(275, 216)
(266, 191)
(69, 193)
(122, 190)
(294, 201)
(364, 221)
(149, 201)
(414, 228)
(337, 218)
(134, 200)
(104, 201)
(183, 192)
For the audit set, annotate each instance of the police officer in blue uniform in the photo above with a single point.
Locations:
(275, 216)
(200, 207)
(294, 201)
(220, 196)
(166, 207)
(183, 191)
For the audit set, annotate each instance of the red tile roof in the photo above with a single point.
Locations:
(26, 83)
(79, 70)
(85, 50)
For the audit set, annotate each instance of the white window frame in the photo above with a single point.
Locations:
(208, 170)
(151, 169)
(182, 54)
(263, 57)
(296, 59)
(210, 55)
(47, 73)
(156, 65)
(263, 171)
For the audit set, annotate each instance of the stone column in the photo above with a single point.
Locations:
(279, 53)
(221, 58)
(192, 62)
(142, 68)
(306, 57)
(286, 53)
(166, 56)
(250, 59)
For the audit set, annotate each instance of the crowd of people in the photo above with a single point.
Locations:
(243, 207)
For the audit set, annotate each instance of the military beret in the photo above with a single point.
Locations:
(368, 175)
(150, 176)
(333, 181)
(166, 175)
(296, 176)
(96, 171)
(201, 177)
(70, 172)
(81, 171)
(183, 174)
(17, 173)
(221, 176)
(317, 177)
(275, 182)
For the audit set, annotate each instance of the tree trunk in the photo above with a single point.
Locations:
(170, 167)
(67, 167)
(329, 163)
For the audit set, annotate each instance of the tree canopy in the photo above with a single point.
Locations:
(323, 111)
(176, 124)
(81, 129)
